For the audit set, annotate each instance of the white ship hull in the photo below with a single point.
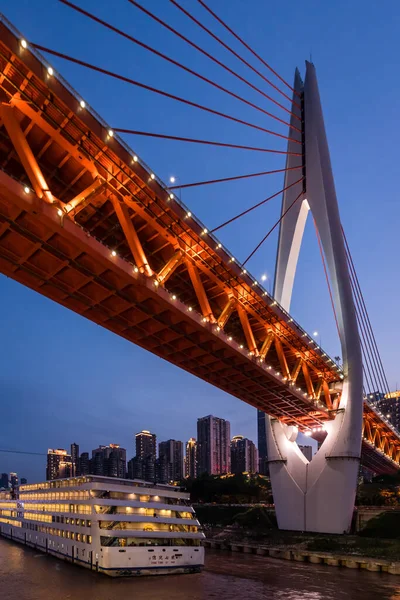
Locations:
(124, 547)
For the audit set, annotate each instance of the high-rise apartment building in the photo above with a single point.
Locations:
(146, 444)
(142, 468)
(390, 408)
(84, 463)
(13, 480)
(172, 450)
(213, 449)
(191, 459)
(4, 481)
(75, 459)
(307, 451)
(262, 443)
(109, 461)
(244, 455)
(59, 464)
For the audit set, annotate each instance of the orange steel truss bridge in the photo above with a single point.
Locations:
(84, 222)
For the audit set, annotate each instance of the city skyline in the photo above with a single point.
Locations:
(132, 451)
(42, 337)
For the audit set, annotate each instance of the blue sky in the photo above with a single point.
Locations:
(64, 379)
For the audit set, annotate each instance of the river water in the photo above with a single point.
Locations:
(29, 575)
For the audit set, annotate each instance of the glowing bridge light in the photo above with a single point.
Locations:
(113, 253)
(27, 189)
(172, 179)
(264, 277)
(205, 230)
(110, 133)
(171, 196)
(189, 214)
(24, 43)
(60, 212)
(82, 104)
(135, 158)
(152, 176)
(50, 71)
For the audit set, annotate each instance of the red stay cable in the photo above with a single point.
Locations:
(188, 14)
(245, 212)
(210, 56)
(276, 224)
(172, 61)
(197, 141)
(157, 91)
(235, 178)
(246, 45)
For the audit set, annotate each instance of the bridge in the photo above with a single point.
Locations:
(84, 222)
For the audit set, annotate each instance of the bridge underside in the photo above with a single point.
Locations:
(86, 224)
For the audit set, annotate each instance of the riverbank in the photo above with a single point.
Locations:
(315, 558)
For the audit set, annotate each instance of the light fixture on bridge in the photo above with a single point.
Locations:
(152, 176)
(241, 346)
(110, 133)
(50, 71)
(113, 253)
(190, 309)
(172, 179)
(230, 338)
(315, 333)
(244, 272)
(264, 277)
(232, 258)
(156, 282)
(27, 189)
(189, 214)
(60, 212)
(171, 196)
(82, 104)
(219, 246)
(205, 230)
(24, 43)
(173, 297)
(136, 270)
(135, 158)
(307, 433)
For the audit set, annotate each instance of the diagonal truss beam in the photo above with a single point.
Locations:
(84, 195)
(25, 153)
(266, 345)
(200, 291)
(169, 268)
(248, 332)
(122, 212)
(226, 312)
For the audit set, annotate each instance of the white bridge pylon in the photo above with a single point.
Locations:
(318, 495)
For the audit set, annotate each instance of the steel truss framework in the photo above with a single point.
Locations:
(85, 223)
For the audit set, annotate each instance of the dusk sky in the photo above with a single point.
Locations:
(64, 379)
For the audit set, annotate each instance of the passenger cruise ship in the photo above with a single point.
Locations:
(116, 526)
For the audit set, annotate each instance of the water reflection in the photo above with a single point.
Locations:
(28, 575)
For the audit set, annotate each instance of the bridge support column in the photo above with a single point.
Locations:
(318, 495)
